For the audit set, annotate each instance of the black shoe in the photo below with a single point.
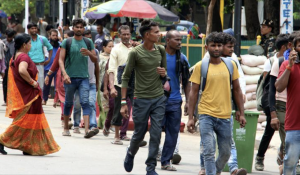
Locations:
(142, 143)
(26, 154)
(151, 173)
(128, 162)
(95, 130)
(2, 151)
(89, 134)
(176, 159)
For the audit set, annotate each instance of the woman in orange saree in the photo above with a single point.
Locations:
(29, 131)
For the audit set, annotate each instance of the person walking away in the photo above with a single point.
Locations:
(55, 44)
(73, 62)
(289, 79)
(149, 63)
(93, 86)
(214, 107)
(178, 71)
(36, 52)
(29, 131)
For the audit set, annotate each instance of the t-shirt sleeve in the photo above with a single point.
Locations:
(282, 68)
(47, 44)
(64, 44)
(267, 66)
(235, 74)
(196, 75)
(112, 67)
(24, 57)
(275, 68)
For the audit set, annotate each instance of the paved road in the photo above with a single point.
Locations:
(98, 156)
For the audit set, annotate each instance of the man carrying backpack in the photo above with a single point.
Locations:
(73, 62)
(214, 109)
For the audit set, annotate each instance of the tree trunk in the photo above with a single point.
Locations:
(252, 22)
(272, 12)
(217, 26)
(210, 16)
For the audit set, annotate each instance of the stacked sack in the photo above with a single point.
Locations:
(252, 67)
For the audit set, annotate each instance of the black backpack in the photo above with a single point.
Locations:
(69, 43)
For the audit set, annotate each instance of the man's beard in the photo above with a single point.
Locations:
(54, 43)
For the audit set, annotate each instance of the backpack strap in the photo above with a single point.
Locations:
(88, 43)
(229, 66)
(68, 46)
(41, 39)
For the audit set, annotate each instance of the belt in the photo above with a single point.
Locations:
(41, 63)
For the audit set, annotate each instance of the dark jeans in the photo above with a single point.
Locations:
(4, 83)
(142, 109)
(172, 126)
(46, 89)
(268, 134)
(117, 117)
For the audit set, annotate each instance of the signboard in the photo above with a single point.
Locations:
(84, 7)
(286, 16)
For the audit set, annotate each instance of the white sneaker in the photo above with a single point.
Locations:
(76, 130)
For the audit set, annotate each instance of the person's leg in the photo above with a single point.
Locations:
(292, 149)
(202, 167)
(41, 79)
(109, 114)
(232, 162)
(77, 110)
(84, 88)
(172, 127)
(92, 103)
(207, 125)
(125, 122)
(224, 139)
(47, 88)
(5, 85)
(117, 117)
(280, 110)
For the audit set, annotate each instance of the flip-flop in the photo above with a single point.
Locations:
(241, 171)
(89, 134)
(66, 133)
(117, 142)
(202, 172)
(168, 168)
(105, 132)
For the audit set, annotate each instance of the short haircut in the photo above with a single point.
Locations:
(30, 25)
(106, 42)
(214, 37)
(282, 39)
(170, 33)
(49, 27)
(123, 27)
(70, 33)
(87, 32)
(10, 33)
(100, 24)
(53, 30)
(146, 26)
(296, 40)
(78, 21)
(293, 35)
(67, 22)
(227, 38)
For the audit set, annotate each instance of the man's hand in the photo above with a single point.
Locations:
(113, 93)
(161, 71)
(124, 111)
(67, 79)
(275, 124)
(85, 52)
(292, 57)
(186, 109)
(191, 126)
(47, 80)
(106, 94)
(135, 43)
(241, 119)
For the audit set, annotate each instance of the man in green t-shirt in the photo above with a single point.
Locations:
(73, 62)
(149, 63)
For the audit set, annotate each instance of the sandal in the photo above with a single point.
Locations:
(202, 172)
(117, 142)
(125, 138)
(105, 132)
(279, 157)
(168, 168)
(66, 133)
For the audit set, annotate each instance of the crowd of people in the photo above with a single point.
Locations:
(142, 81)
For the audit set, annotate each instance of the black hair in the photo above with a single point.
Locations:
(49, 27)
(87, 32)
(20, 39)
(100, 24)
(78, 21)
(293, 35)
(146, 26)
(53, 30)
(31, 25)
(70, 33)
(10, 33)
(227, 38)
(123, 27)
(106, 42)
(282, 39)
(296, 40)
(169, 33)
(214, 37)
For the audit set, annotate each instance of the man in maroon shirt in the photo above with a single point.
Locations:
(289, 77)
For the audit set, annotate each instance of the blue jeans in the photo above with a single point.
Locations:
(46, 89)
(292, 152)
(222, 128)
(77, 107)
(172, 126)
(232, 162)
(83, 86)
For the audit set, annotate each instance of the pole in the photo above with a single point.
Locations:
(65, 12)
(26, 14)
(60, 3)
(237, 26)
(222, 13)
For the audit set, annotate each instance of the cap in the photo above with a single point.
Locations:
(268, 22)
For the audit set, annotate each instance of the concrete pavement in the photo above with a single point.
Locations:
(98, 156)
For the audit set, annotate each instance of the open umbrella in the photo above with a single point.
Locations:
(2, 14)
(132, 8)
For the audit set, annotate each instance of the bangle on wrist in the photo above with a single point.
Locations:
(31, 82)
(123, 102)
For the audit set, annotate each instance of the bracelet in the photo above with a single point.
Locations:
(123, 102)
(31, 82)
(47, 75)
